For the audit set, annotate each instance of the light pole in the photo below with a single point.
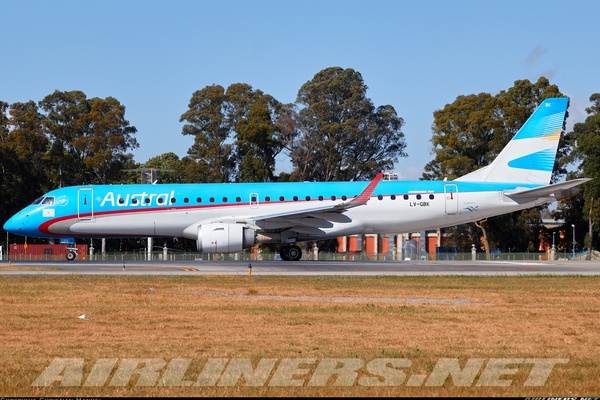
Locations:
(573, 225)
(553, 251)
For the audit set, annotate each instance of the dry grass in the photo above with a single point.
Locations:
(235, 317)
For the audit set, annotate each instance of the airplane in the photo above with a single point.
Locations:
(230, 217)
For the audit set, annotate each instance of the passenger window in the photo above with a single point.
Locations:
(333, 198)
(238, 199)
(224, 199)
(320, 198)
(198, 199)
(393, 197)
(185, 200)
(344, 198)
(307, 198)
(431, 197)
(405, 197)
(281, 198)
(295, 198)
(160, 200)
(212, 199)
(268, 198)
(380, 197)
(418, 197)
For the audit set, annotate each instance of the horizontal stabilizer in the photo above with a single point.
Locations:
(558, 190)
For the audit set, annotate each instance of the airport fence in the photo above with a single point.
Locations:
(322, 256)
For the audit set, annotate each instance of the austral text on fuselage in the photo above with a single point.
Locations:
(137, 199)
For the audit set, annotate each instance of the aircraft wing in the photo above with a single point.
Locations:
(558, 190)
(336, 207)
(308, 221)
(321, 216)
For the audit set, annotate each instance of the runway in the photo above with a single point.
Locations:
(302, 268)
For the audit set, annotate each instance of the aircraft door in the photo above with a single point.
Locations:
(85, 203)
(451, 196)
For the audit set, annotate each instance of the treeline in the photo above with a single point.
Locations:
(332, 132)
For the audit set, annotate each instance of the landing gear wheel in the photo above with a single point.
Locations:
(71, 255)
(294, 253)
(290, 253)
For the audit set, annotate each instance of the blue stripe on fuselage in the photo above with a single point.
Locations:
(163, 196)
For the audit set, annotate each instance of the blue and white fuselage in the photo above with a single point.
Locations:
(231, 217)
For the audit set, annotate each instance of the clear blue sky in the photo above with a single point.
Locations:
(414, 55)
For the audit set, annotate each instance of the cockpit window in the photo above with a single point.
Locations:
(48, 200)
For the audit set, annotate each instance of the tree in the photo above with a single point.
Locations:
(235, 134)
(338, 134)
(29, 145)
(168, 166)
(587, 153)
(253, 116)
(8, 166)
(469, 133)
(462, 133)
(63, 109)
(210, 158)
(105, 140)
(89, 138)
(256, 145)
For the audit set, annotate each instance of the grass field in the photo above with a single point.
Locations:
(416, 321)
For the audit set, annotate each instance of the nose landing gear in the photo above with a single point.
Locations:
(72, 253)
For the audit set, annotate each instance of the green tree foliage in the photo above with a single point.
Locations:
(89, 138)
(257, 137)
(462, 133)
(235, 134)
(469, 133)
(587, 153)
(106, 139)
(338, 134)
(168, 167)
(28, 144)
(257, 144)
(210, 159)
(63, 110)
(9, 167)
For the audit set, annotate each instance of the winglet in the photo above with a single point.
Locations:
(365, 195)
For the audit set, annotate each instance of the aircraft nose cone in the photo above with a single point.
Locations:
(13, 225)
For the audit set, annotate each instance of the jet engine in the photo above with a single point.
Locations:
(222, 237)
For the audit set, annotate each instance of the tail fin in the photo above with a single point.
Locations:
(529, 156)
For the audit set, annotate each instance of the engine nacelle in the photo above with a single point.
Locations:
(221, 237)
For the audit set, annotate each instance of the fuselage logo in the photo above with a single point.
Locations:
(137, 199)
(62, 200)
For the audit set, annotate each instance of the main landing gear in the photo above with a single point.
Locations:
(290, 253)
